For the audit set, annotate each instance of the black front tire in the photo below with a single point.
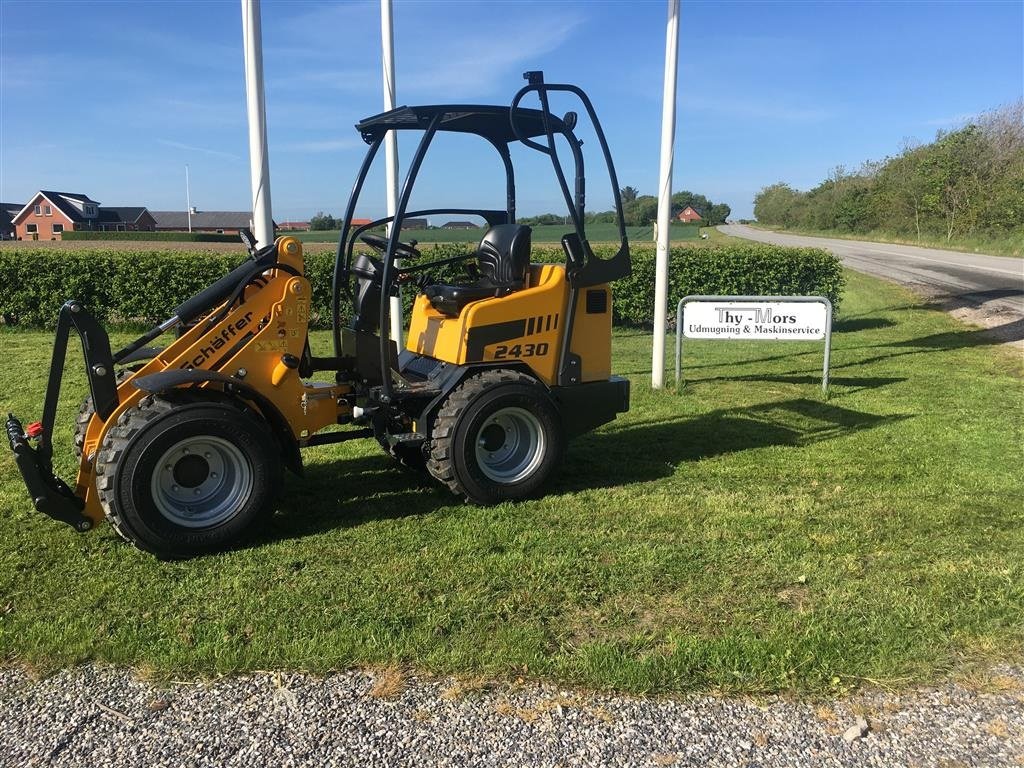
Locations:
(497, 437)
(162, 443)
(86, 411)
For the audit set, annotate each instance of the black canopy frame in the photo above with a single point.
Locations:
(500, 126)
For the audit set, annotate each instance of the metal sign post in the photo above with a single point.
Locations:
(756, 318)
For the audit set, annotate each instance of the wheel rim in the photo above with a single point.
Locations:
(201, 481)
(510, 445)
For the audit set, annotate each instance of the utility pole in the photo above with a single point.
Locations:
(668, 134)
(188, 199)
(387, 38)
(259, 161)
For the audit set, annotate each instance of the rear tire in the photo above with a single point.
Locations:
(180, 479)
(497, 437)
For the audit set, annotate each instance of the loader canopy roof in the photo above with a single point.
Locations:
(493, 123)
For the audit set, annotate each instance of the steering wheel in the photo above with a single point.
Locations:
(402, 250)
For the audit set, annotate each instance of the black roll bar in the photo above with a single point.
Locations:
(389, 257)
(341, 265)
(596, 270)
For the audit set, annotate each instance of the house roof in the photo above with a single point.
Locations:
(461, 224)
(59, 200)
(126, 214)
(203, 219)
(8, 211)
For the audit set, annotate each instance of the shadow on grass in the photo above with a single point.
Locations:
(643, 452)
(352, 492)
(855, 324)
(854, 383)
(971, 337)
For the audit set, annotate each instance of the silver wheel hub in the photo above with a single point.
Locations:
(510, 445)
(201, 481)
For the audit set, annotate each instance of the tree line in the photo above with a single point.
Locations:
(967, 182)
(641, 210)
(637, 210)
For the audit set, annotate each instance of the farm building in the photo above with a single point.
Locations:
(688, 214)
(459, 225)
(294, 226)
(49, 214)
(221, 222)
(415, 223)
(7, 213)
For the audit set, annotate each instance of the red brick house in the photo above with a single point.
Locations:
(688, 214)
(49, 214)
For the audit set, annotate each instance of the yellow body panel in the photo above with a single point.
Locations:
(247, 344)
(592, 333)
(526, 326)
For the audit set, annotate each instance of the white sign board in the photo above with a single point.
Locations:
(764, 320)
(757, 318)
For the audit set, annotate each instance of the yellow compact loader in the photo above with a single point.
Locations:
(181, 447)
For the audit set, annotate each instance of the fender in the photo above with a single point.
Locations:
(164, 381)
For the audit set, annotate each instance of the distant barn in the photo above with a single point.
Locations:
(221, 222)
(459, 225)
(688, 214)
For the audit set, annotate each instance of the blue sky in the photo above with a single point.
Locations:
(113, 99)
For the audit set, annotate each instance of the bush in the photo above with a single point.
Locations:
(142, 287)
(738, 270)
(167, 237)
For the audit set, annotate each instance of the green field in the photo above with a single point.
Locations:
(596, 233)
(744, 535)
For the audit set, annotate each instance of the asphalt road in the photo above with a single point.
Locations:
(993, 284)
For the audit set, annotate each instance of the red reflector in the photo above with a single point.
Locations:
(35, 429)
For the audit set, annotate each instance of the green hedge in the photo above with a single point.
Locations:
(141, 287)
(167, 237)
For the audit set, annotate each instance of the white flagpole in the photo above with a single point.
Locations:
(259, 161)
(387, 33)
(188, 199)
(668, 134)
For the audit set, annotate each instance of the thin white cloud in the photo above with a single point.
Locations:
(352, 80)
(326, 145)
(943, 122)
(191, 148)
(758, 110)
(477, 65)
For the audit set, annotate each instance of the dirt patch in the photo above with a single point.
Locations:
(1000, 324)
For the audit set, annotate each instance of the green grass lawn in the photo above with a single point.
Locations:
(744, 534)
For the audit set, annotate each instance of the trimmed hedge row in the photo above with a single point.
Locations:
(141, 287)
(167, 237)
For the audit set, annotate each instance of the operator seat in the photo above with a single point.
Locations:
(503, 259)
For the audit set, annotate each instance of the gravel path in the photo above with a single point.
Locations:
(98, 717)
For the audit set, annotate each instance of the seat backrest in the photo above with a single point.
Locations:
(504, 254)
